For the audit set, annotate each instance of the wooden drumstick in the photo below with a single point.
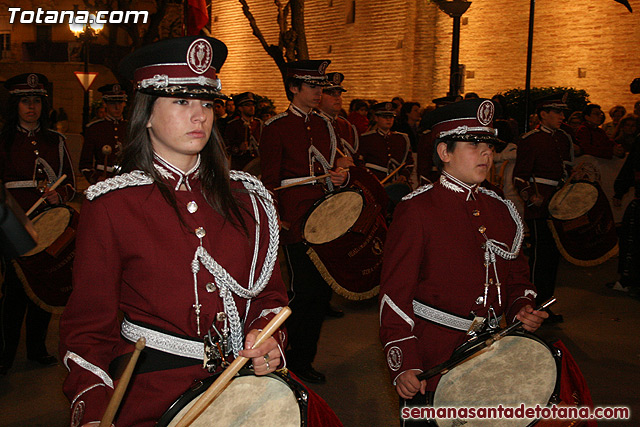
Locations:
(340, 152)
(114, 403)
(41, 199)
(395, 171)
(306, 180)
(227, 375)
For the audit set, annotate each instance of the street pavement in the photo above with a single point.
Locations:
(600, 330)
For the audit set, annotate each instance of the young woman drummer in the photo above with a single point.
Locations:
(181, 246)
(32, 158)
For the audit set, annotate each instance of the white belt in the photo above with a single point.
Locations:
(297, 180)
(544, 181)
(376, 167)
(101, 168)
(163, 342)
(439, 317)
(21, 184)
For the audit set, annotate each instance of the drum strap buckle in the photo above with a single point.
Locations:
(216, 346)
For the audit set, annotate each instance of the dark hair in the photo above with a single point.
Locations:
(214, 170)
(12, 120)
(357, 104)
(406, 109)
(589, 108)
(291, 82)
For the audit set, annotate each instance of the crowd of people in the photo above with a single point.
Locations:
(193, 193)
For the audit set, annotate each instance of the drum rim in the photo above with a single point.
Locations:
(555, 352)
(300, 393)
(319, 202)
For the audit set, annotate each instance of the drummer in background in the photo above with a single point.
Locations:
(242, 133)
(434, 276)
(297, 144)
(32, 157)
(383, 150)
(541, 158)
(104, 138)
(331, 105)
(148, 241)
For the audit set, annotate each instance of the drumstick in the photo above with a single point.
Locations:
(41, 199)
(341, 153)
(456, 360)
(227, 375)
(393, 173)
(306, 180)
(114, 403)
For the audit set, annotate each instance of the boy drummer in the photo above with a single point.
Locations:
(452, 254)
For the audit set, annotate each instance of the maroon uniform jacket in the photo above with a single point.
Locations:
(383, 153)
(347, 135)
(296, 145)
(540, 166)
(134, 255)
(36, 159)
(434, 256)
(107, 131)
(594, 141)
(238, 131)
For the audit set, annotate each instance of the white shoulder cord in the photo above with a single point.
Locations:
(493, 247)
(227, 284)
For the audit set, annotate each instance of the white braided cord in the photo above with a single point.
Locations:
(225, 282)
(129, 179)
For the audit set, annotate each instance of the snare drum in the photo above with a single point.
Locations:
(582, 224)
(573, 200)
(249, 400)
(332, 216)
(345, 238)
(518, 369)
(45, 271)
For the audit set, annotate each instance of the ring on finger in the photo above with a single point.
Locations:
(266, 358)
(267, 363)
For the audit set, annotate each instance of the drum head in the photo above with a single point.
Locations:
(332, 217)
(514, 370)
(573, 201)
(249, 401)
(49, 225)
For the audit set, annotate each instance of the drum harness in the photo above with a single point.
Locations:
(217, 344)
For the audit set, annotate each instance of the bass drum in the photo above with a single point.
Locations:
(272, 400)
(518, 369)
(582, 224)
(45, 271)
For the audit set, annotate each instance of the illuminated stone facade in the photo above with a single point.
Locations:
(403, 47)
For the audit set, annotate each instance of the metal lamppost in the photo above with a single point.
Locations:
(455, 9)
(86, 33)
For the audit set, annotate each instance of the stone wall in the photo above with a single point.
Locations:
(403, 47)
